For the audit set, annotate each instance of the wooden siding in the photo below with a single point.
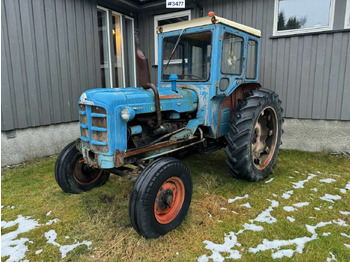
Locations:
(311, 73)
(49, 56)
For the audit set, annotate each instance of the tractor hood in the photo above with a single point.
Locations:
(140, 99)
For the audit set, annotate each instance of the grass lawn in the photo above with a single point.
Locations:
(279, 209)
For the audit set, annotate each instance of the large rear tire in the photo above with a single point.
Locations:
(160, 198)
(73, 176)
(255, 135)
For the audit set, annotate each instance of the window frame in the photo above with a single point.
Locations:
(303, 30)
(242, 54)
(111, 80)
(164, 17)
(347, 15)
(110, 47)
(256, 58)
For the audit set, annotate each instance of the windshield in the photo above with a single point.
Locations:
(191, 58)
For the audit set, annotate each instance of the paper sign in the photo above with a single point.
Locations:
(175, 3)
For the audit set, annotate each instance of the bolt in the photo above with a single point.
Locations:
(262, 113)
(267, 149)
(169, 199)
(269, 117)
(270, 133)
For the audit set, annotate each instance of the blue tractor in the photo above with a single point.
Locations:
(208, 97)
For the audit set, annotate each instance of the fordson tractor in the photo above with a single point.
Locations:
(207, 98)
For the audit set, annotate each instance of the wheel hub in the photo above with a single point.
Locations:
(264, 138)
(169, 200)
(84, 174)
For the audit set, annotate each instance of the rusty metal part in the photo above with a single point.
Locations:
(170, 97)
(265, 137)
(174, 150)
(232, 100)
(152, 151)
(167, 135)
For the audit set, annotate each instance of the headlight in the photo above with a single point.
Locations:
(125, 114)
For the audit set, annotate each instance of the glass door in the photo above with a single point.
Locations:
(117, 51)
(103, 36)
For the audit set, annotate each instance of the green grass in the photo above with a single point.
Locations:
(101, 215)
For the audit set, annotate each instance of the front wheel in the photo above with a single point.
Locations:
(255, 135)
(73, 176)
(160, 198)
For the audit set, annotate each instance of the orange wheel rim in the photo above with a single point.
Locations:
(169, 200)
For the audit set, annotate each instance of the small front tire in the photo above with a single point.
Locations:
(160, 198)
(73, 176)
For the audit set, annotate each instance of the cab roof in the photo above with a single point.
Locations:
(208, 21)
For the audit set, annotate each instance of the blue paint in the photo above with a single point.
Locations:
(135, 130)
(202, 97)
(173, 78)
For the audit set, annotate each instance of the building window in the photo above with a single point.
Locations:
(232, 53)
(347, 15)
(160, 20)
(117, 45)
(302, 16)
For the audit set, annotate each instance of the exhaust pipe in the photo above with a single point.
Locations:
(145, 78)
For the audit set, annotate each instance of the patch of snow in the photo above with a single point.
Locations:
(270, 180)
(335, 175)
(326, 234)
(48, 213)
(223, 208)
(330, 207)
(347, 187)
(274, 195)
(317, 208)
(66, 237)
(301, 204)
(252, 227)
(312, 217)
(289, 208)
(2, 207)
(55, 220)
(291, 219)
(230, 241)
(296, 172)
(51, 239)
(342, 190)
(231, 200)
(301, 183)
(314, 189)
(278, 244)
(340, 222)
(234, 212)
(330, 198)
(38, 251)
(327, 180)
(329, 259)
(345, 235)
(177, 253)
(318, 172)
(247, 205)
(348, 246)
(209, 214)
(12, 207)
(344, 212)
(220, 221)
(265, 216)
(287, 194)
(10, 245)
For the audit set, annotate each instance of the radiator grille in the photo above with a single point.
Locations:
(93, 127)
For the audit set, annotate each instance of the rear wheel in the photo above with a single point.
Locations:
(73, 176)
(255, 135)
(160, 198)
